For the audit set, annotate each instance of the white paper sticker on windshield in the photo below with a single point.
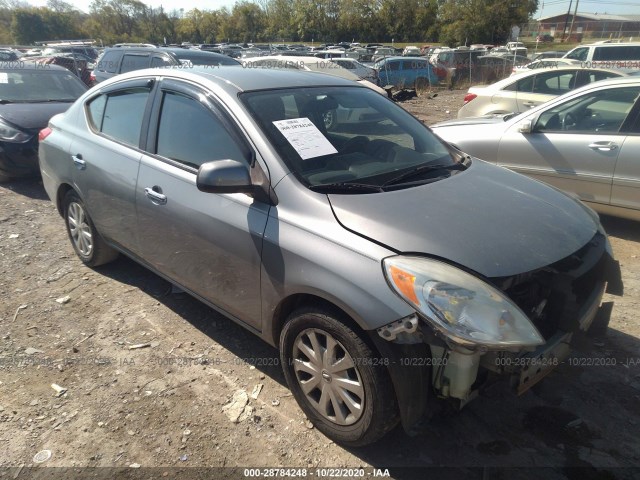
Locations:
(4, 77)
(305, 137)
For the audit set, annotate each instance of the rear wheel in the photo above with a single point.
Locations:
(85, 239)
(339, 381)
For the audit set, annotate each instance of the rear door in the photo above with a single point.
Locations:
(625, 191)
(107, 161)
(211, 244)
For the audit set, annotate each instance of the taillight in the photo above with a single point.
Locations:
(44, 133)
(468, 97)
(92, 76)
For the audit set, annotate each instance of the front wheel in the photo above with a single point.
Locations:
(339, 381)
(85, 239)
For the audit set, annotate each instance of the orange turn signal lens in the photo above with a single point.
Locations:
(404, 282)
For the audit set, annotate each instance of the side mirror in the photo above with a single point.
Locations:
(224, 176)
(526, 126)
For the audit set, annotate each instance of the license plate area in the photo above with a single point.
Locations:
(536, 365)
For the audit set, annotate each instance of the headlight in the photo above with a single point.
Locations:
(11, 134)
(461, 306)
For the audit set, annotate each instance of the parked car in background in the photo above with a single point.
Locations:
(585, 142)
(332, 116)
(55, 49)
(411, 51)
(491, 68)
(456, 64)
(406, 72)
(521, 92)
(121, 60)
(545, 63)
(7, 55)
(621, 56)
(383, 52)
(235, 192)
(78, 64)
(354, 66)
(548, 54)
(29, 95)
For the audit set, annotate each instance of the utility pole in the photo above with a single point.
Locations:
(566, 20)
(573, 19)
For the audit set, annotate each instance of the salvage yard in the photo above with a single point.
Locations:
(146, 376)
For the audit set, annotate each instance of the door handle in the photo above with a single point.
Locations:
(530, 104)
(79, 162)
(154, 196)
(603, 146)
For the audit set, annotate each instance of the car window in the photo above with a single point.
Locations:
(589, 76)
(190, 134)
(392, 66)
(108, 62)
(132, 62)
(554, 83)
(122, 115)
(622, 52)
(160, 61)
(602, 111)
(578, 54)
(41, 85)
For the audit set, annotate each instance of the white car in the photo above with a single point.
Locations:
(521, 92)
(354, 66)
(545, 63)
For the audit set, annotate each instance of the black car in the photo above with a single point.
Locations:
(121, 60)
(30, 94)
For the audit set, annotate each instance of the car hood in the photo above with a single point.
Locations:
(488, 219)
(32, 115)
(484, 120)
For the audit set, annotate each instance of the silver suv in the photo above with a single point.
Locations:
(388, 268)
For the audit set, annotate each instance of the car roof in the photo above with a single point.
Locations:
(622, 44)
(234, 79)
(402, 58)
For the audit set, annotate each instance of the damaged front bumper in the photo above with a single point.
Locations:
(425, 366)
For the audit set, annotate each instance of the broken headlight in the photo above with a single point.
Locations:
(459, 305)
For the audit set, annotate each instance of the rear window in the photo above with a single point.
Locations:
(33, 86)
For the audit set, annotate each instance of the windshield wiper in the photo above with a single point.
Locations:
(4, 102)
(345, 187)
(421, 169)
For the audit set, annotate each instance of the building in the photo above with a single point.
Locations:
(596, 26)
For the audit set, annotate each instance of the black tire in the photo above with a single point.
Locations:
(379, 411)
(85, 239)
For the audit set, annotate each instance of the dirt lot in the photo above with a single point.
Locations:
(166, 403)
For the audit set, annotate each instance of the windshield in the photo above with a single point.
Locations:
(329, 135)
(42, 85)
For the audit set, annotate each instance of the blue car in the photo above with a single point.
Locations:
(406, 72)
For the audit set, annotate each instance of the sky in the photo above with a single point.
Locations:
(547, 7)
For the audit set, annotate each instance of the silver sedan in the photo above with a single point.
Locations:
(585, 142)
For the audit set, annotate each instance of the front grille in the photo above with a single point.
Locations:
(553, 296)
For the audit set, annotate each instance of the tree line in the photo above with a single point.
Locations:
(452, 22)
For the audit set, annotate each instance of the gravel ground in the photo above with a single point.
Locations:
(152, 378)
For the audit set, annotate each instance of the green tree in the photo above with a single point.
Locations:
(482, 21)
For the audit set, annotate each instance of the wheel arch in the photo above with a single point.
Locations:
(63, 189)
(295, 301)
